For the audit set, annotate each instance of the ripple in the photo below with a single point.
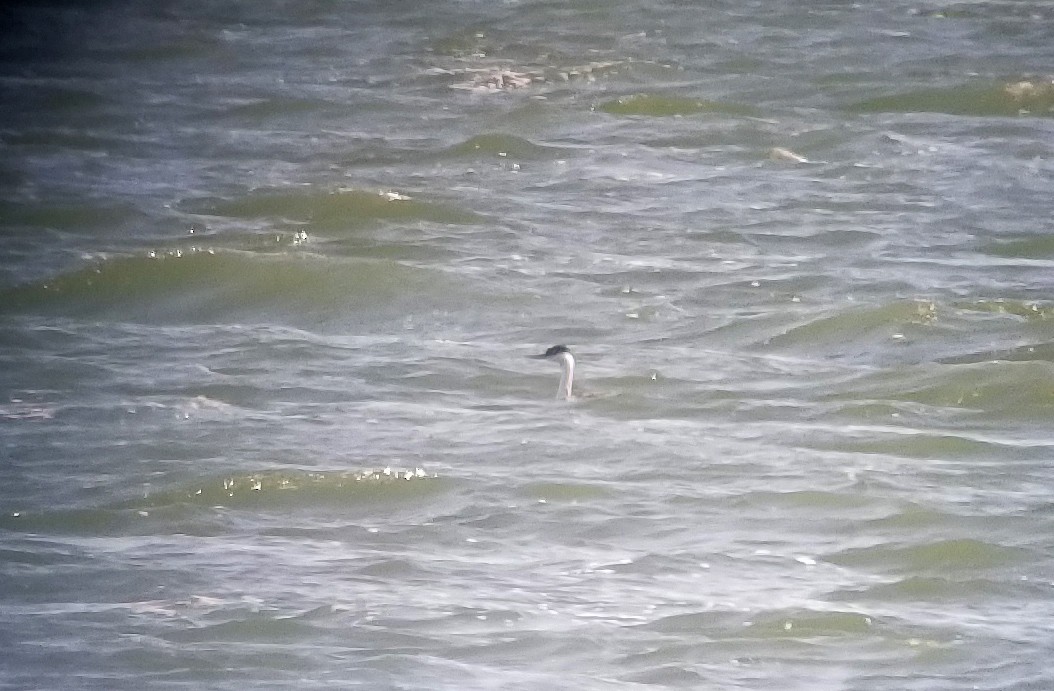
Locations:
(209, 285)
(328, 211)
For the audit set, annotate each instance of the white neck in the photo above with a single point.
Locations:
(567, 364)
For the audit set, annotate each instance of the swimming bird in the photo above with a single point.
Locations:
(561, 354)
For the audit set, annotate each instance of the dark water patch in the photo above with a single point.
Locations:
(697, 622)
(1007, 389)
(330, 211)
(927, 589)
(379, 151)
(89, 522)
(391, 569)
(1024, 353)
(1028, 247)
(525, 650)
(56, 591)
(258, 628)
(195, 508)
(807, 624)
(668, 676)
(411, 247)
(218, 286)
(812, 502)
(63, 140)
(38, 553)
(60, 98)
(11, 176)
(651, 564)
(123, 522)
(659, 105)
(199, 46)
(565, 491)
(871, 411)
(261, 110)
(943, 557)
(920, 445)
(1010, 99)
(72, 218)
(303, 490)
(913, 518)
(504, 145)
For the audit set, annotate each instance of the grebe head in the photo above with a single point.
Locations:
(561, 354)
(553, 352)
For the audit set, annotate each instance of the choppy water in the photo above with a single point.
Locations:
(270, 272)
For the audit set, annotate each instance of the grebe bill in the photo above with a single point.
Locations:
(562, 355)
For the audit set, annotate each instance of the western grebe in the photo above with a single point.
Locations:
(561, 354)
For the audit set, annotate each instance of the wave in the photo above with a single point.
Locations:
(919, 329)
(1035, 247)
(210, 286)
(941, 557)
(1023, 97)
(274, 489)
(1016, 390)
(191, 507)
(863, 326)
(927, 589)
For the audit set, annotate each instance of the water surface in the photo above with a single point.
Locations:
(270, 272)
